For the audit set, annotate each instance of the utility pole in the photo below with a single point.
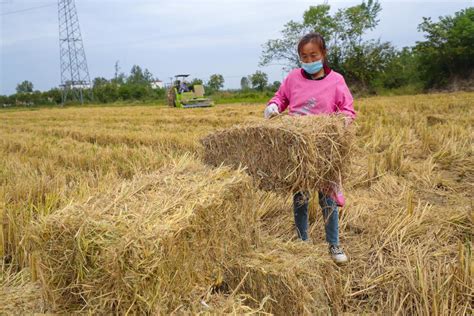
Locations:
(75, 77)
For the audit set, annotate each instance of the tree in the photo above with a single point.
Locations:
(148, 76)
(99, 81)
(195, 81)
(216, 82)
(366, 62)
(4, 101)
(353, 22)
(274, 86)
(24, 87)
(318, 19)
(350, 25)
(124, 92)
(106, 92)
(342, 28)
(348, 53)
(259, 80)
(54, 95)
(244, 83)
(448, 51)
(284, 49)
(139, 77)
(401, 70)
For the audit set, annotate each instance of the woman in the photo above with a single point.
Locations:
(315, 89)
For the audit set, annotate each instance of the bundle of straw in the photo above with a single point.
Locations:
(286, 278)
(148, 245)
(286, 154)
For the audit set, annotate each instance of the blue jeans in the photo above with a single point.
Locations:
(330, 214)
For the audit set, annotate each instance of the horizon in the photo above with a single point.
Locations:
(158, 37)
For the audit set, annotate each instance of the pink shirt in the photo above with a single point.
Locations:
(304, 96)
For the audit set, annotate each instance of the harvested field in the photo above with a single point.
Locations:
(407, 226)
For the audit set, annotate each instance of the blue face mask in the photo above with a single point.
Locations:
(313, 67)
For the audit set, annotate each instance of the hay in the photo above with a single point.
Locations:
(287, 276)
(18, 294)
(148, 246)
(407, 227)
(277, 278)
(184, 239)
(286, 154)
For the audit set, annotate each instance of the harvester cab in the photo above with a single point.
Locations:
(181, 95)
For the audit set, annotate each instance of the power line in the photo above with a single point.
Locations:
(73, 63)
(28, 9)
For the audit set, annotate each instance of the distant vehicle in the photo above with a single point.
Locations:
(180, 95)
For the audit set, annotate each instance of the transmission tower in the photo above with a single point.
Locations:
(74, 72)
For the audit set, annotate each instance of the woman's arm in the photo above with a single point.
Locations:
(344, 100)
(281, 97)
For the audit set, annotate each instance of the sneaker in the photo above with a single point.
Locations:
(337, 254)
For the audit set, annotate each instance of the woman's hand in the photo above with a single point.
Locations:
(271, 110)
(347, 121)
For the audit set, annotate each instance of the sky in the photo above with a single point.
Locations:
(199, 37)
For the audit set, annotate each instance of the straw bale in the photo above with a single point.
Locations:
(288, 277)
(285, 154)
(148, 245)
(277, 278)
(220, 303)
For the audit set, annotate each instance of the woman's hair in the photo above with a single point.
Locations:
(315, 38)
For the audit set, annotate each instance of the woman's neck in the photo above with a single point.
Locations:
(319, 74)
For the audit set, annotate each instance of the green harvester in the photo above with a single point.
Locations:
(193, 98)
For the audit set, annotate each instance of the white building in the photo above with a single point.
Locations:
(157, 84)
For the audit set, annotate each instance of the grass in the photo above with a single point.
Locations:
(407, 226)
(246, 97)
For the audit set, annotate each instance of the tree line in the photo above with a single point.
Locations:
(138, 85)
(369, 66)
(444, 57)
